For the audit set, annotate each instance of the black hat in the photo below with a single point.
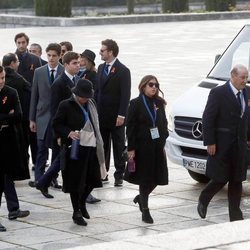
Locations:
(84, 88)
(89, 54)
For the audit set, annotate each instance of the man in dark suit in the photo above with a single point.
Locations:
(225, 124)
(28, 64)
(40, 108)
(60, 90)
(112, 96)
(23, 88)
(14, 161)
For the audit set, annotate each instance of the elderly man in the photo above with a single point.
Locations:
(225, 122)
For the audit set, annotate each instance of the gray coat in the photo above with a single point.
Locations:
(40, 99)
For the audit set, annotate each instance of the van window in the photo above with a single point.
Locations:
(238, 52)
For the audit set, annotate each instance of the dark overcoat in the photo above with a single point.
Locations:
(150, 157)
(91, 76)
(224, 126)
(14, 160)
(76, 173)
(112, 94)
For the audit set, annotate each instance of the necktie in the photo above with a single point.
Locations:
(74, 81)
(106, 69)
(52, 77)
(239, 100)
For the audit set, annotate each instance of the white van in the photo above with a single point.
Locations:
(184, 145)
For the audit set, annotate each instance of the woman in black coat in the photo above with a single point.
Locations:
(146, 134)
(82, 173)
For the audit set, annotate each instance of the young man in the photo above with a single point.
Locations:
(112, 96)
(40, 108)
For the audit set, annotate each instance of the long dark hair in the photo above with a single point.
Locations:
(144, 81)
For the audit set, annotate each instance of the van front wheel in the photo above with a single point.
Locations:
(198, 177)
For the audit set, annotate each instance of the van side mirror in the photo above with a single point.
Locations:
(216, 58)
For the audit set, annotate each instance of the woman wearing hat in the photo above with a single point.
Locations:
(87, 66)
(82, 172)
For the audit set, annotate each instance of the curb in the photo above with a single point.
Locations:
(20, 20)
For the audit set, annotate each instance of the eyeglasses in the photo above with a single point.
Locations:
(102, 50)
(152, 84)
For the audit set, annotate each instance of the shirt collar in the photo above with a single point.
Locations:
(235, 91)
(69, 75)
(53, 68)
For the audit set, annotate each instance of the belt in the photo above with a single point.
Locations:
(3, 126)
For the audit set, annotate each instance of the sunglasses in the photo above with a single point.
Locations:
(102, 50)
(152, 84)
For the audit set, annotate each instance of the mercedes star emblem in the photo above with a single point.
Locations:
(197, 130)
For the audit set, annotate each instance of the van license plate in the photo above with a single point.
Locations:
(194, 164)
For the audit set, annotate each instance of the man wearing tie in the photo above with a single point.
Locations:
(225, 125)
(112, 95)
(40, 106)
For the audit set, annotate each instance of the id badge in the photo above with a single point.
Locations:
(154, 133)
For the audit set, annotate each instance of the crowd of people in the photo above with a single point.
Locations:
(78, 111)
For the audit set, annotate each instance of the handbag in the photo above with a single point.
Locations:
(87, 135)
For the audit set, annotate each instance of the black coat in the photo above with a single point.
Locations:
(76, 173)
(91, 76)
(14, 159)
(28, 64)
(23, 88)
(112, 94)
(224, 126)
(150, 157)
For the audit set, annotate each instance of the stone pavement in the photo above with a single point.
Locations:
(179, 54)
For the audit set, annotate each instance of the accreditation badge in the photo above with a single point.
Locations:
(154, 133)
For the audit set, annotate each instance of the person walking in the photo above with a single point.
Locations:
(26, 68)
(147, 131)
(10, 63)
(81, 170)
(14, 160)
(112, 95)
(225, 125)
(40, 109)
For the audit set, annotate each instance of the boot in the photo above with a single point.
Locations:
(146, 217)
(84, 212)
(138, 200)
(77, 218)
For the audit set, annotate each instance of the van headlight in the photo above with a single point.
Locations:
(170, 123)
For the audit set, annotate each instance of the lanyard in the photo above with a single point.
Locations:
(152, 115)
(85, 113)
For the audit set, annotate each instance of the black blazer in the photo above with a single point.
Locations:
(112, 93)
(223, 125)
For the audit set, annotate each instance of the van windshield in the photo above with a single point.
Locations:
(238, 52)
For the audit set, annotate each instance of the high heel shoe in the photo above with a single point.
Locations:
(84, 212)
(137, 200)
(146, 217)
(77, 218)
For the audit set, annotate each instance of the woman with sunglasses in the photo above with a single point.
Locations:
(146, 134)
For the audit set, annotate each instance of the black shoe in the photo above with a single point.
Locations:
(44, 191)
(146, 217)
(105, 180)
(84, 212)
(118, 182)
(77, 218)
(54, 184)
(2, 228)
(202, 210)
(91, 199)
(32, 184)
(18, 214)
(137, 200)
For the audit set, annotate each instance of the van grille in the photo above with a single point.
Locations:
(194, 152)
(188, 127)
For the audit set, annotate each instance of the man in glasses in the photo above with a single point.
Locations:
(112, 96)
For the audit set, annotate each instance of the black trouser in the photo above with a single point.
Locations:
(234, 196)
(117, 135)
(10, 194)
(78, 200)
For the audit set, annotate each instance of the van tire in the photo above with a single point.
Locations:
(201, 178)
